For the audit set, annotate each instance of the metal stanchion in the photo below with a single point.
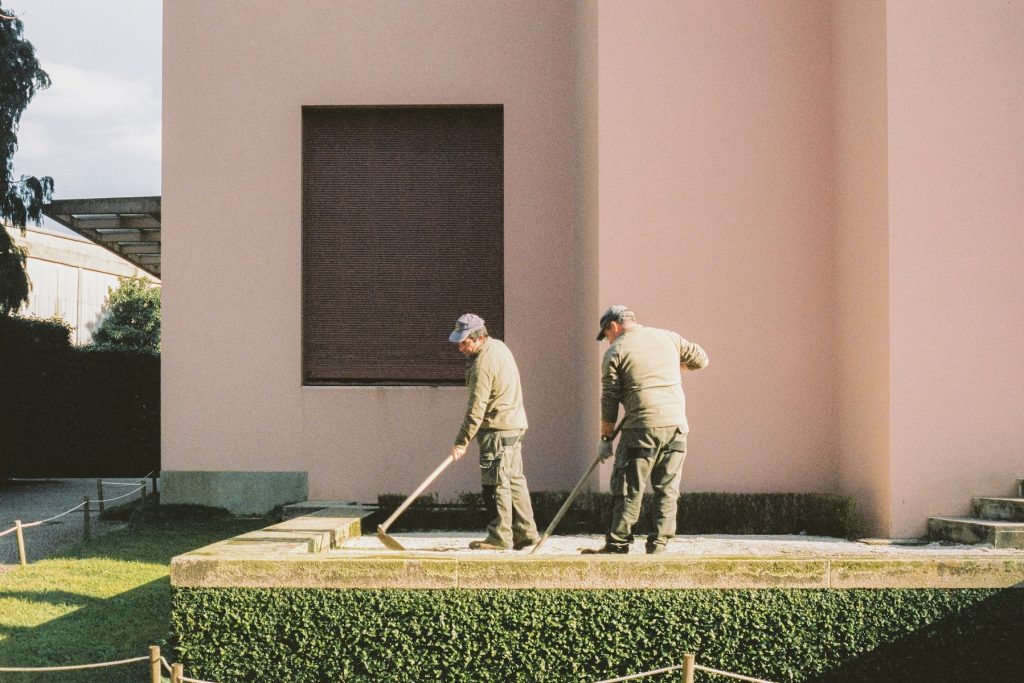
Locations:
(152, 480)
(99, 494)
(142, 492)
(154, 664)
(21, 542)
(688, 664)
(86, 532)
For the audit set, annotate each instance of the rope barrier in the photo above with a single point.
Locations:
(44, 521)
(134, 482)
(728, 674)
(194, 680)
(170, 670)
(130, 493)
(644, 674)
(678, 667)
(73, 667)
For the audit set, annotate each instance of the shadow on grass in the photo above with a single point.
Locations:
(119, 627)
(982, 643)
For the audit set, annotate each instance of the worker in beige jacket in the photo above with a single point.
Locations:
(641, 371)
(496, 417)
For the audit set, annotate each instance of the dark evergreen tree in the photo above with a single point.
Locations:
(21, 201)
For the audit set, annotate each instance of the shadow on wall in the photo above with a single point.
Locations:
(984, 642)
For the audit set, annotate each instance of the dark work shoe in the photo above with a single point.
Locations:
(521, 545)
(606, 550)
(485, 545)
(655, 548)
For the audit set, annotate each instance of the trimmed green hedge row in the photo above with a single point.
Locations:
(563, 635)
(817, 514)
(75, 411)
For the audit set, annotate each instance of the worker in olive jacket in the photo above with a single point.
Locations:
(496, 417)
(641, 371)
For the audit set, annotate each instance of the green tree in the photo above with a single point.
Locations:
(21, 200)
(132, 319)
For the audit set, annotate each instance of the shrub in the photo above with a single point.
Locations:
(699, 513)
(243, 634)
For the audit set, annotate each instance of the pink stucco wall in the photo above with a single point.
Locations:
(715, 221)
(236, 76)
(956, 216)
(862, 255)
(825, 195)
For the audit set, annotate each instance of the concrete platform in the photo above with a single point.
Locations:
(284, 556)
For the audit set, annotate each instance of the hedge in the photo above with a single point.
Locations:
(75, 411)
(817, 514)
(302, 635)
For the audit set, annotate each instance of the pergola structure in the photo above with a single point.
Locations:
(126, 226)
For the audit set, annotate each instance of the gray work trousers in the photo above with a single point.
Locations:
(656, 453)
(506, 496)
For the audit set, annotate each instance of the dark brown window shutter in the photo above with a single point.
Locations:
(402, 232)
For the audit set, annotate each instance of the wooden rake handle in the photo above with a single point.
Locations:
(573, 494)
(408, 501)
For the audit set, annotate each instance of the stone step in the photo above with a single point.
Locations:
(971, 530)
(1008, 509)
(319, 529)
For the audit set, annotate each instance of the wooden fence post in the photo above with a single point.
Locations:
(177, 672)
(86, 530)
(99, 494)
(21, 542)
(688, 665)
(154, 664)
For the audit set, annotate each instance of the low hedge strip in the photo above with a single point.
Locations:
(562, 635)
(818, 514)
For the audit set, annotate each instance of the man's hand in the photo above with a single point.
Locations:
(607, 428)
(605, 449)
(458, 452)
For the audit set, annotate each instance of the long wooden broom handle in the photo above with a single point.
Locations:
(408, 501)
(572, 496)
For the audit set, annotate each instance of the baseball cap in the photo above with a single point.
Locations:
(618, 314)
(464, 325)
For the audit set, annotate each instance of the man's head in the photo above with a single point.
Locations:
(470, 333)
(614, 321)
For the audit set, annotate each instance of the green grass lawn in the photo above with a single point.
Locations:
(101, 601)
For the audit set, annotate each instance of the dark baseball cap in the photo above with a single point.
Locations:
(615, 314)
(464, 326)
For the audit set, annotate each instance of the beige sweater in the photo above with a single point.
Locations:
(641, 371)
(495, 394)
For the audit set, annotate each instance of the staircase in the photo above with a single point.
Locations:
(997, 521)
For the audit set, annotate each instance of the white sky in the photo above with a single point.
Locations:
(96, 130)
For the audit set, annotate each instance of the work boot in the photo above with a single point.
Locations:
(525, 543)
(485, 545)
(654, 548)
(606, 550)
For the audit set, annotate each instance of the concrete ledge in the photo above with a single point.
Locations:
(416, 571)
(241, 493)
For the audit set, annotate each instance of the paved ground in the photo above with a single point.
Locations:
(712, 545)
(31, 500)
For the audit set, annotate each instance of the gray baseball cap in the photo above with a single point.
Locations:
(617, 314)
(464, 325)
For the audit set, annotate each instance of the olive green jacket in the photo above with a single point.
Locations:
(495, 393)
(641, 371)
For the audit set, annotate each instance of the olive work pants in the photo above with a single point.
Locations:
(506, 497)
(656, 453)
